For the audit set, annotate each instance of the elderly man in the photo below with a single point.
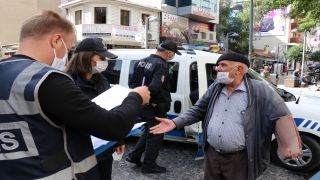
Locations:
(238, 117)
(45, 120)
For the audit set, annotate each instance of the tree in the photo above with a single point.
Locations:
(315, 56)
(239, 23)
(229, 24)
(306, 11)
(185, 33)
(295, 53)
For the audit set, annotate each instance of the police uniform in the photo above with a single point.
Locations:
(33, 146)
(153, 72)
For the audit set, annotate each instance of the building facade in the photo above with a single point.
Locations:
(190, 21)
(119, 23)
(13, 14)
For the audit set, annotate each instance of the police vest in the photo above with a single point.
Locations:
(31, 145)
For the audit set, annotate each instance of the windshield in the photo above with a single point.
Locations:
(254, 75)
(286, 96)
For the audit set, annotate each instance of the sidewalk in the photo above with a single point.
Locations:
(296, 90)
(305, 90)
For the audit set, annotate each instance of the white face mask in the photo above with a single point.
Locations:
(171, 57)
(223, 77)
(60, 63)
(101, 66)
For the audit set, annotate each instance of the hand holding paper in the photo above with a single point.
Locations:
(144, 93)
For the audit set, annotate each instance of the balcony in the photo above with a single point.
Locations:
(294, 25)
(296, 40)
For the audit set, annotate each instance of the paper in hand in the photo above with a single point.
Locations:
(116, 156)
(112, 98)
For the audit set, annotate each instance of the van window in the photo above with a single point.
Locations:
(211, 73)
(193, 76)
(132, 63)
(173, 72)
(112, 73)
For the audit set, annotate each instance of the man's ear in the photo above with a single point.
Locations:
(54, 40)
(240, 68)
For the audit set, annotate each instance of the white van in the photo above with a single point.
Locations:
(192, 70)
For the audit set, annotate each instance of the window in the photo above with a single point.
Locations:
(211, 73)
(112, 73)
(100, 15)
(78, 17)
(183, 3)
(170, 2)
(124, 18)
(173, 72)
(132, 63)
(193, 76)
(143, 18)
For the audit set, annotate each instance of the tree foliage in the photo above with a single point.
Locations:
(241, 42)
(306, 11)
(295, 53)
(315, 56)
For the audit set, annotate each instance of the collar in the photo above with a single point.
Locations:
(156, 56)
(241, 87)
(20, 56)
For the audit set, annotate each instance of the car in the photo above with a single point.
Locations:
(191, 71)
(315, 68)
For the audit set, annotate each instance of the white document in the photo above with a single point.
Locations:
(97, 142)
(112, 98)
(116, 156)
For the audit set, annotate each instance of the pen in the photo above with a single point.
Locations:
(143, 80)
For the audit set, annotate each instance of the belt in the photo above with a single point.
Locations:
(229, 153)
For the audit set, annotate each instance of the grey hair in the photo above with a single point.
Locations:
(161, 49)
(245, 67)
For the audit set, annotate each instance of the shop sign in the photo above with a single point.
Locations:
(125, 31)
(172, 26)
(204, 13)
(96, 30)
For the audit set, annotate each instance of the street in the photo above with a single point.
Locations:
(178, 158)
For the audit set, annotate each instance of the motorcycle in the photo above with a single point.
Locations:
(309, 78)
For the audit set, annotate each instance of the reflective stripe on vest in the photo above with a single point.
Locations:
(79, 167)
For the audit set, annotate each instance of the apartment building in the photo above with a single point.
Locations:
(13, 14)
(120, 23)
(196, 17)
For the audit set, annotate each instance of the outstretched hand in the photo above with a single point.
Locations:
(165, 125)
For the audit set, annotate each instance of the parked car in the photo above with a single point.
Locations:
(315, 68)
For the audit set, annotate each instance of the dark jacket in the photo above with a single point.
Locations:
(92, 88)
(155, 72)
(265, 106)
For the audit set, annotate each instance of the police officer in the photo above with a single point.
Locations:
(153, 72)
